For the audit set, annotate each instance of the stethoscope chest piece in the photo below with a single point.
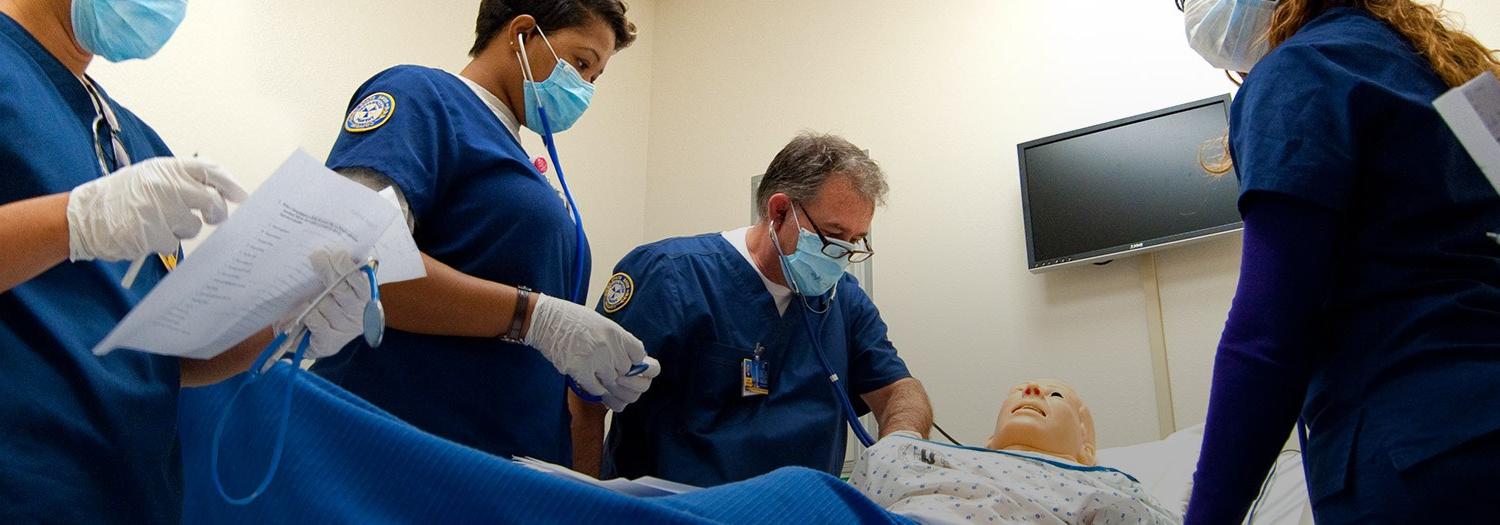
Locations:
(374, 319)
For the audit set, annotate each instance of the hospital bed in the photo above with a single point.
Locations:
(336, 458)
(1165, 468)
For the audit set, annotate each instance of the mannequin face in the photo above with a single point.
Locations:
(1047, 416)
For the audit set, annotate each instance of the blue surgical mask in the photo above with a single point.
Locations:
(121, 30)
(1229, 34)
(564, 93)
(810, 271)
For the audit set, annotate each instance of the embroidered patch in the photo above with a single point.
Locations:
(372, 112)
(618, 292)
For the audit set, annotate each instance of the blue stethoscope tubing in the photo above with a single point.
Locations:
(833, 378)
(578, 265)
(850, 416)
(374, 313)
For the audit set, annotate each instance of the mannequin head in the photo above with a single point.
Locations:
(1046, 416)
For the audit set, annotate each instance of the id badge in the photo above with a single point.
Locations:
(755, 379)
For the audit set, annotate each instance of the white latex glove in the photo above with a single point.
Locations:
(147, 208)
(591, 349)
(339, 316)
(629, 389)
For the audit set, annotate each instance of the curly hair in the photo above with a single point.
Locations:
(1455, 55)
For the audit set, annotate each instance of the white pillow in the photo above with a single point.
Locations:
(1164, 468)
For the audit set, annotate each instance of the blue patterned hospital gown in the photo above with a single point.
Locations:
(936, 483)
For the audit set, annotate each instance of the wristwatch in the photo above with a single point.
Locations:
(518, 320)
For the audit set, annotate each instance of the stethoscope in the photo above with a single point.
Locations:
(374, 333)
(579, 270)
(850, 416)
(105, 115)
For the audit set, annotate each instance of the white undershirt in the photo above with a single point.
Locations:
(781, 294)
(501, 111)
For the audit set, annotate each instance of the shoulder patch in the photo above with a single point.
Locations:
(372, 112)
(617, 292)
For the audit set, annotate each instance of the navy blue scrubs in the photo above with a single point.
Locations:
(83, 439)
(701, 309)
(482, 208)
(1405, 350)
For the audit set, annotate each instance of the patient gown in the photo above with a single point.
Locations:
(936, 483)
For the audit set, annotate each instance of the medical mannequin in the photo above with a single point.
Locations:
(1046, 416)
(1037, 467)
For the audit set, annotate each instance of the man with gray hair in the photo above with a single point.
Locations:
(749, 326)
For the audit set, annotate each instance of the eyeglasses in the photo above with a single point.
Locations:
(836, 250)
(1179, 6)
(105, 124)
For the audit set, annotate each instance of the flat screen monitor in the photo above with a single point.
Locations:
(1126, 187)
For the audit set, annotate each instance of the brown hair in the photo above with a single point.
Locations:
(1455, 55)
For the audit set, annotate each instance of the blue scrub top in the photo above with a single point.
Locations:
(1408, 346)
(700, 308)
(83, 439)
(482, 208)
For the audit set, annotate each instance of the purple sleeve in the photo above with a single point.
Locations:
(1264, 359)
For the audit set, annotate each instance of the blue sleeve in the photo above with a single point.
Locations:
(413, 145)
(1295, 125)
(873, 363)
(652, 310)
(1265, 355)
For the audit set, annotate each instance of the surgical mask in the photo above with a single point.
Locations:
(121, 30)
(810, 271)
(563, 93)
(1229, 34)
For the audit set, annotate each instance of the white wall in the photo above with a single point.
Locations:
(244, 83)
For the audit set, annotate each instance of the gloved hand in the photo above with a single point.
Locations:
(339, 316)
(591, 349)
(146, 208)
(629, 389)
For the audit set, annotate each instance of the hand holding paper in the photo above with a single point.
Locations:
(257, 267)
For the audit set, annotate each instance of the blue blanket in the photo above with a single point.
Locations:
(345, 460)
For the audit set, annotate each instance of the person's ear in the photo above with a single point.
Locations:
(778, 207)
(521, 25)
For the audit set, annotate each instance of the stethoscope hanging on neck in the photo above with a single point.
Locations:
(808, 311)
(576, 294)
(103, 114)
